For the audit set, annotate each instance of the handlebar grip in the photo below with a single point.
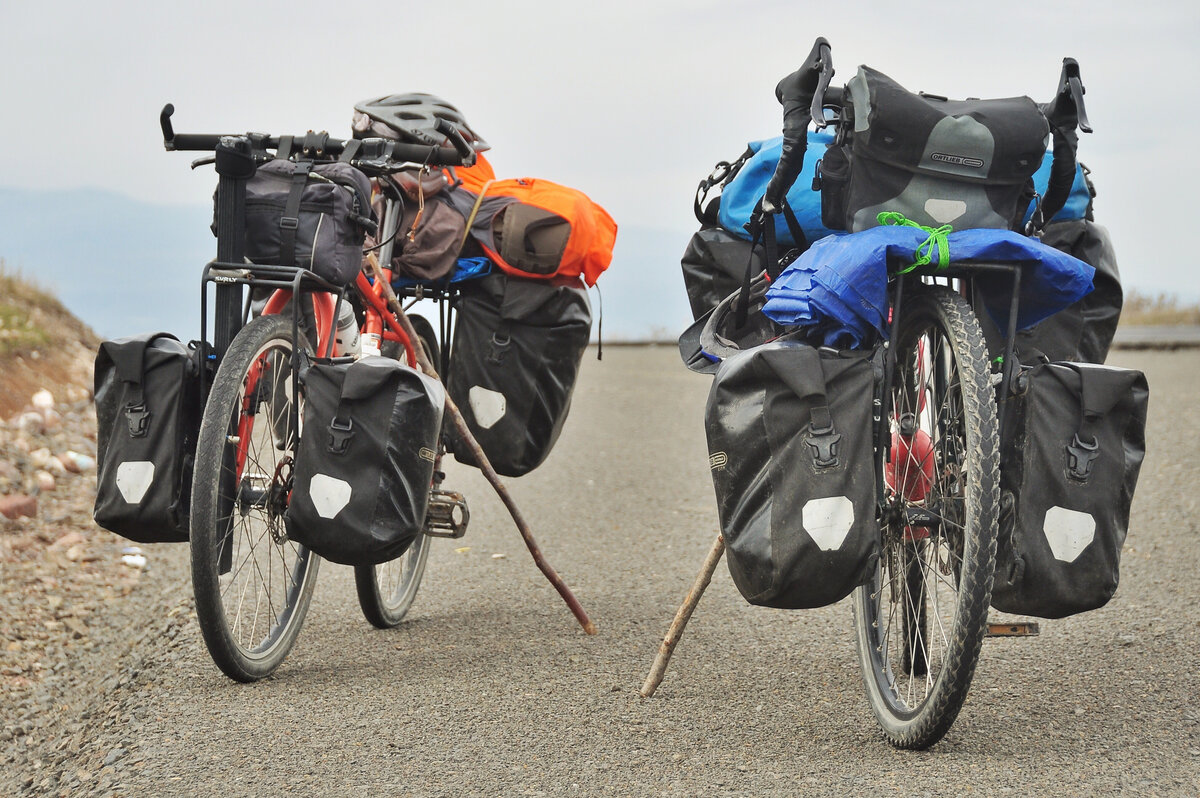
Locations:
(421, 153)
(193, 141)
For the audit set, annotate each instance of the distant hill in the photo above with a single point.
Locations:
(124, 266)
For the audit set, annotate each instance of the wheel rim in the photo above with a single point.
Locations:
(261, 574)
(913, 603)
(397, 580)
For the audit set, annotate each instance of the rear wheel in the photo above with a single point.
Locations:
(920, 623)
(386, 591)
(252, 584)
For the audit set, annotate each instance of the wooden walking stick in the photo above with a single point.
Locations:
(682, 617)
(485, 466)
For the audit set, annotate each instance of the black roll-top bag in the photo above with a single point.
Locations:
(967, 163)
(516, 353)
(790, 447)
(1073, 446)
(365, 461)
(147, 391)
(714, 265)
(314, 216)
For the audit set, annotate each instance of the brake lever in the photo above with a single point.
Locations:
(1067, 109)
(205, 161)
(460, 143)
(168, 130)
(1077, 92)
(824, 65)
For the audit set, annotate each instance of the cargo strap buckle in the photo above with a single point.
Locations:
(824, 442)
(289, 222)
(340, 435)
(139, 419)
(1081, 457)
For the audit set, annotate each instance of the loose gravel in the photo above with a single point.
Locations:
(491, 689)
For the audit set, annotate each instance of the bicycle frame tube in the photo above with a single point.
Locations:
(378, 306)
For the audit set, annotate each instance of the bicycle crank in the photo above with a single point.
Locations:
(448, 514)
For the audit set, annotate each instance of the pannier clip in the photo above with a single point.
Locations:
(1081, 457)
(139, 420)
(823, 440)
(339, 436)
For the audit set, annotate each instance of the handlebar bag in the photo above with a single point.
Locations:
(789, 431)
(308, 215)
(966, 163)
(147, 390)
(364, 464)
(540, 230)
(1073, 445)
(514, 360)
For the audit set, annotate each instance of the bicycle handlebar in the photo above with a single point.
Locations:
(373, 154)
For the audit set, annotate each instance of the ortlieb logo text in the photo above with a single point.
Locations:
(427, 454)
(960, 160)
(718, 460)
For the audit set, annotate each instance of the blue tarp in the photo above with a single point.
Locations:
(839, 286)
(464, 269)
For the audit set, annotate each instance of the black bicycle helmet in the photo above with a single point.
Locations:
(412, 118)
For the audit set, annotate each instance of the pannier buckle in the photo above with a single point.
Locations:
(289, 222)
(824, 443)
(339, 436)
(139, 420)
(1081, 457)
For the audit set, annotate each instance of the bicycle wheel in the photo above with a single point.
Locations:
(920, 623)
(386, 591)
(252, 584)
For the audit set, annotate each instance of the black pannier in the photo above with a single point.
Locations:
(306, 215)
(790, 447)
(515, 357)
(1082, 332)
(966, 163)
(364, 465)
(147, 393)
(1073, 445)
(714, 266)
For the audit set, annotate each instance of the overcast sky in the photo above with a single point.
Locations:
(632, 102)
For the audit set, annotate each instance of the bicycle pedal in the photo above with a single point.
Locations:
(448, 514)
(1022, 629)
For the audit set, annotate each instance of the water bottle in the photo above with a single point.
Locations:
(346, 339)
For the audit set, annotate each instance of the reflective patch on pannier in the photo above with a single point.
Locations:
(828, 521)
(1068, 532)
(329, 495)
(488, 406)
(134, 479)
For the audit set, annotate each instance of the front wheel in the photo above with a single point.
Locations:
(252, 584)
(920, 623)
(386, 591)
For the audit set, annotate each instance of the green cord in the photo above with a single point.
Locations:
(922, 255)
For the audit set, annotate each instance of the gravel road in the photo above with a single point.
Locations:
(492, 689)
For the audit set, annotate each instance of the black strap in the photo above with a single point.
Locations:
(289, 223)
(800, 369)
(721, 174)
(1099, 390)
(755, 227)
(363, 380)
(600, 327)
(129, 361)
(349, 150)
(798, 237)
(284, 150)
